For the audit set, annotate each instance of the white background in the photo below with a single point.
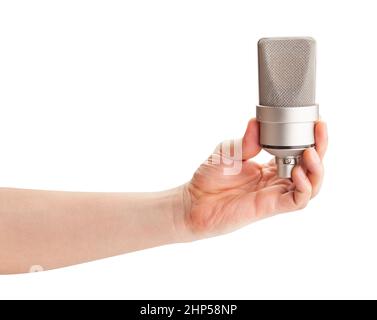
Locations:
(133, 96)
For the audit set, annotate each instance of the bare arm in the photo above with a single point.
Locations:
(53, 229)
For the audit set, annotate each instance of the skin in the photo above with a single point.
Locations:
(221, 203)
(41, 230)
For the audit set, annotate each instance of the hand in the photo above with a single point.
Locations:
(50, 229)
(217, 203)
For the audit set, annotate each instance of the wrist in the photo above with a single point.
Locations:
(180, 204)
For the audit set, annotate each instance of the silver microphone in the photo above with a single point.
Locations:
(287, 111)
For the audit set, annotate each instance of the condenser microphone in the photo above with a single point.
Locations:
(287, 111)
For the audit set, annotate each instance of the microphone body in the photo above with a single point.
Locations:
(287, 110)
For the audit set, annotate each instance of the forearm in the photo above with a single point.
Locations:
(54, 229)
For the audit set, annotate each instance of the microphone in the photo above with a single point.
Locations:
(287, 111)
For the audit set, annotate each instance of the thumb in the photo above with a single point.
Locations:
(250, 140)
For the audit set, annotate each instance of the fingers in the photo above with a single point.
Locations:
(296, 196)
(321, 139)
(306, 183)
(313, 164)
(303, 190)
(312, 157)
(250, 140)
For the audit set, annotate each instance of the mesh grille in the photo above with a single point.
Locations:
(286, 72)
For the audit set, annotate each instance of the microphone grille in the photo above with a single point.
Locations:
(286, 72)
